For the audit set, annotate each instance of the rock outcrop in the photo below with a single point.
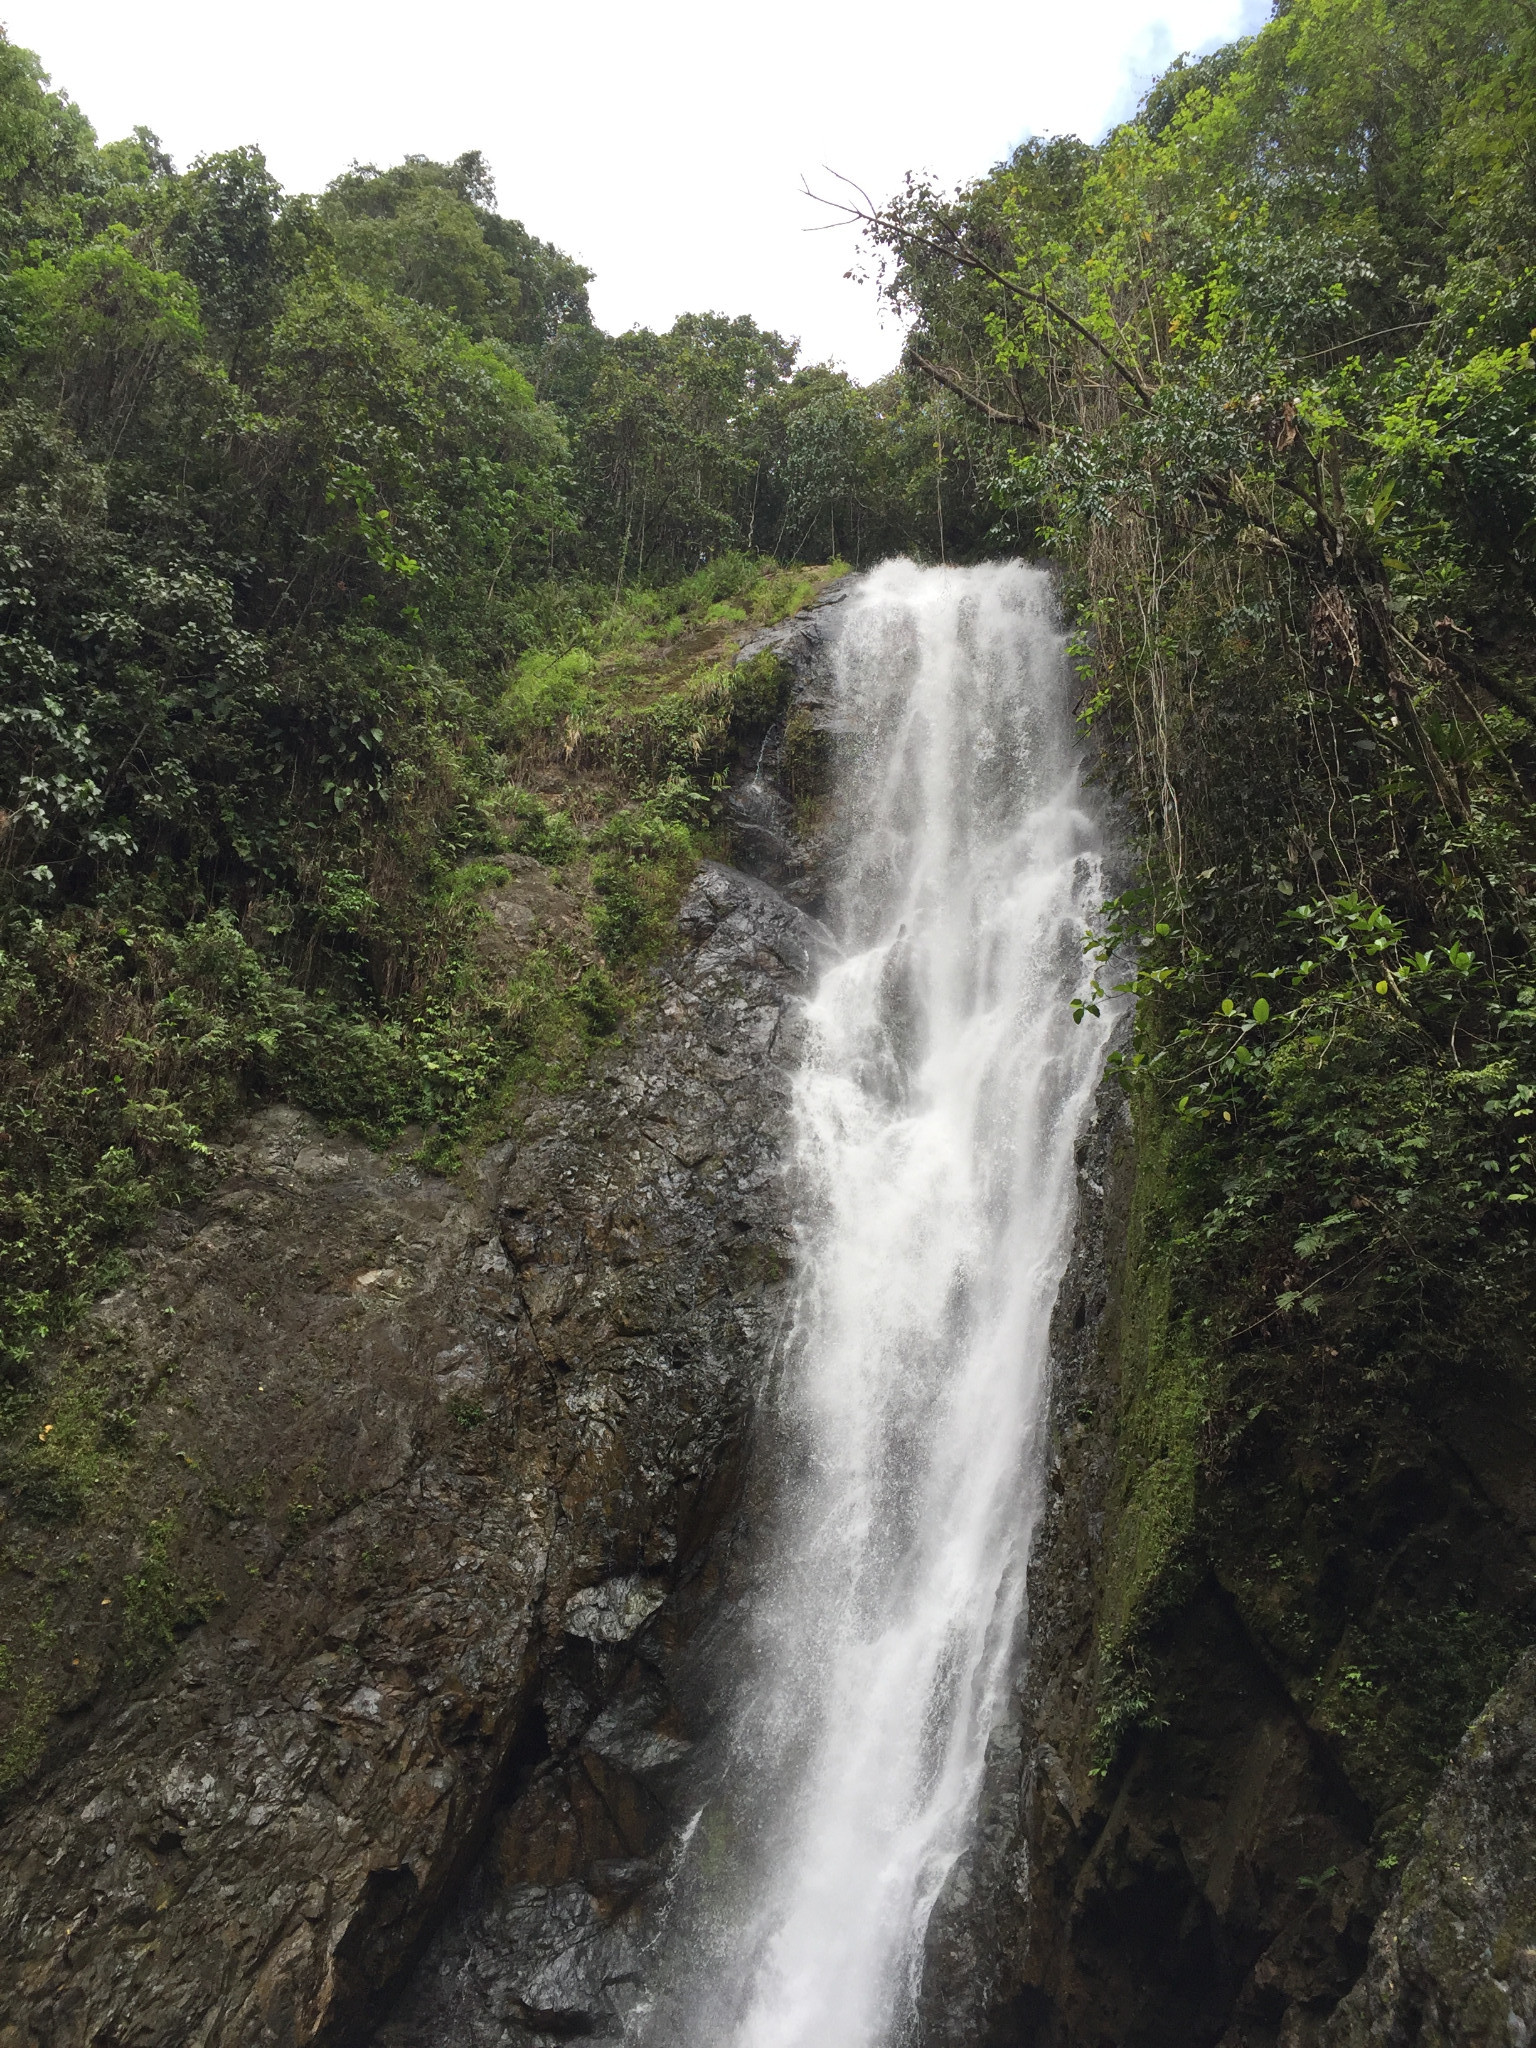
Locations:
(555, 1931)
(433, 1476)
(1453, 1958)
(1192, 1866)
(1212, 1882)
(528, 1399)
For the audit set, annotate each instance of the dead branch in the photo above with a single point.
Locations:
(975, 400)
(955, 250)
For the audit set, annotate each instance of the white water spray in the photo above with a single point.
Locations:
(936, 1115)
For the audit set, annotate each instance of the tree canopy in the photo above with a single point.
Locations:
(291, 490)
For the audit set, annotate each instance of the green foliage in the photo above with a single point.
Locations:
(346, 570)
(281, 513)
(544, 834)
(430, 233)
(1129, 1701)
(345, 566)
(652, 697)
(644, 862)
(1259, 366)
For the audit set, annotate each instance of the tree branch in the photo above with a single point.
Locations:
(871, 217)
(975, 400)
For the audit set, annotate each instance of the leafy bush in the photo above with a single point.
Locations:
(643, 863)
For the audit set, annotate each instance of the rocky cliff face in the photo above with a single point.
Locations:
(1173, 1898)
(1210, 1876)
(550, 1935)
(441, 1478)
(1453, 1958)
(371, 1697)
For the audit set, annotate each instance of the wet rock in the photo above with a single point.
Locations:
(466, 1444)
(531, 908)
(1216, 1885)
(763, 830)
(535, 1964)
(1453, 1958)
(613, 1611)
(593, 1813)
(772, 811)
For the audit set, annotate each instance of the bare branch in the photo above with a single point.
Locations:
(975, 400)
(955, 251)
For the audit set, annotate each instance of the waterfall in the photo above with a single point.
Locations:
(937, 1108)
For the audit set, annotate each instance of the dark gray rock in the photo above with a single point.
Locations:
(1453, 1957)
(984, 1933)
(530, 1963)
(1175, 1899)
(467, 1445)
(774, 811)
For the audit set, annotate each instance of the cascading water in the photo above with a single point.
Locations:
(942, 1092)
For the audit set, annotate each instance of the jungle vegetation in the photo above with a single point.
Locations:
(1262, 362)
(321, 516)
(318, 517)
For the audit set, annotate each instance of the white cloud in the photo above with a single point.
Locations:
(663, 144)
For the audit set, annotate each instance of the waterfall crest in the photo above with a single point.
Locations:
(937, 1109)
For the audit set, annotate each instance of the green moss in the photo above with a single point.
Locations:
(804, 756)
(1128, 1699)
(74, 1437)
(643, 865)
(1401, 1687)
(26, 1735)
(544, 834)
(156, 1605)
(1296, 1460)
(1164, 1398)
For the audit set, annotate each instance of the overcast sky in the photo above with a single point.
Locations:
(662, 142)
